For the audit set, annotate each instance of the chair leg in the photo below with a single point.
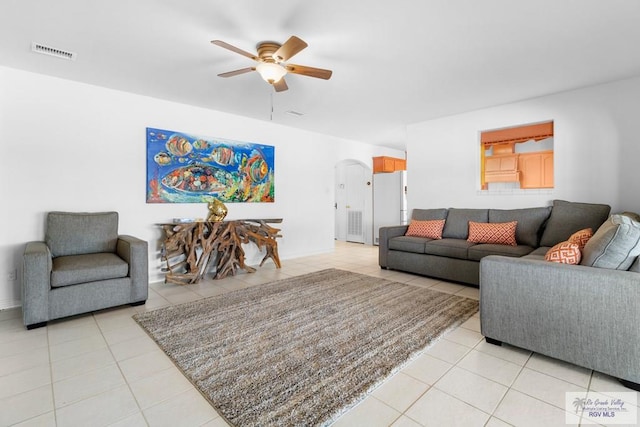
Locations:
(492, 341)
(36, 325)
(137, 303)
(630, 384)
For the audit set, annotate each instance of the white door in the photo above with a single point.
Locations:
(356, 188)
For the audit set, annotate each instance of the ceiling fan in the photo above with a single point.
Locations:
(272, 62)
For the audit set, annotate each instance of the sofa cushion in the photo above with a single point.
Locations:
(431, 229)
(568, 217)
(408, 244)
(71, 233)
(452, 248)
(74, 269)
(636, 265)
(499, 233)
(457, 225)
(428, 214)
(581, 237)
(615, 245)
(530, 222)
(477, 252)
(538, 253)
(564, 253)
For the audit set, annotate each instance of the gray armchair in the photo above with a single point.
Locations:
(83, 265)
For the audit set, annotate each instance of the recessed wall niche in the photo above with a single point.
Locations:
(518, 157)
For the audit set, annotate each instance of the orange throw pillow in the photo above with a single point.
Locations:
(581, 237)
(500, 233)
(431, 229)
(564, 253)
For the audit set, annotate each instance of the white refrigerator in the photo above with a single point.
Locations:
(389, 201)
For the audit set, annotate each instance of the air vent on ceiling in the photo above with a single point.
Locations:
(52, 51)
(294, 113)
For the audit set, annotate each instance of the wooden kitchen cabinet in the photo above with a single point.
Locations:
(501, 168)
(536, 169)
(388, 164)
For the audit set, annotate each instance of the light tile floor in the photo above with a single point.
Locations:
(102, 369)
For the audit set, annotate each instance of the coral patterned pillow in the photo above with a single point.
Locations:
(500, 233)
(431, 228)
(564, 253)
(581, 237)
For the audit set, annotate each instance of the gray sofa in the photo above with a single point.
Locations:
(83, 265)
(588, 314)
(584, 315)
(454, 258)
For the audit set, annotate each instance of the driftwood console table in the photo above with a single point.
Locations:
(191, 249)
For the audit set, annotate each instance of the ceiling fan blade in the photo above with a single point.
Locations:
(237, 72)
(280, 85)
(234, 49)
(309, 71)
(289, 48)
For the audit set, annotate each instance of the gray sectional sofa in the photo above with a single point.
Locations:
(454, 258)
(586, 315)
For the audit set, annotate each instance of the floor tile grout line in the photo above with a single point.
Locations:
(509, 388)
(488, 379)
(501, 358)
(557, 378)
(588, 390)
(386, 404)
(498, 418)
(126, 380)
(191, 386)
(460, 400)
(534, 397)
(14, 343)
(53, 394)
(554, 377)
(540, 400)
(55, 406)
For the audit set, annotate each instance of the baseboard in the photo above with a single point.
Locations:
(156, 276)
(6, 304)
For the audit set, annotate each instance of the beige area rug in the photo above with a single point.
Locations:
(301, 351)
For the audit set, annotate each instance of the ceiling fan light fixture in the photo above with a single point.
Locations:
(271, 72)
(272, 59)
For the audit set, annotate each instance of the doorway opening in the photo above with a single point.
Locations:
(353, 202)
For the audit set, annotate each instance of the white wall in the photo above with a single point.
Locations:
(75, 147)
(596, 149)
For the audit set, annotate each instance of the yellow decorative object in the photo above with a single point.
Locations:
(217, 211)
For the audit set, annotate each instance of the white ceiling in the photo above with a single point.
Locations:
(394, 62)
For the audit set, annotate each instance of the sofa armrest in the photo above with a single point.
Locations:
(584, 315)
(385, 234)
(36, 283)
(135, 252)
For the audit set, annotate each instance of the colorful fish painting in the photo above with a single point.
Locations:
(183, 168)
